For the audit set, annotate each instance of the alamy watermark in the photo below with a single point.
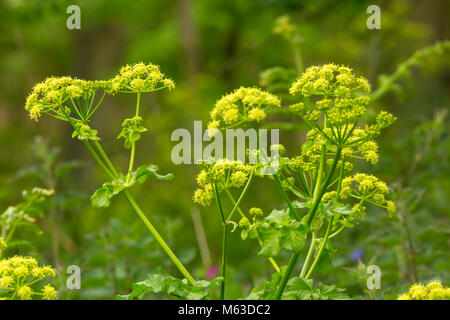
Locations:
(374, 20)
(249, 146)
(74, 20)
(374, 280)
(73, 281)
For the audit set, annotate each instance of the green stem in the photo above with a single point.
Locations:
(285, 278)
(224, 243)
(322, 245)
(224, 262)
(105, 157)
(317, 199)
(271, 260)
(336, 232)
(138, 103)
(236, 205)
(324, 187)
(309, 256)
(140, 213)
(133, 145)
(158, 237)
(97, 106)
(285, 196)
(131, 164)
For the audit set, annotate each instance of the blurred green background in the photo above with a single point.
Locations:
(209, 48)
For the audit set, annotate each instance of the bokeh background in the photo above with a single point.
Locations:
(210, 48)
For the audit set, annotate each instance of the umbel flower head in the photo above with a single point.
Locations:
(334, 101)
(366, 188)
(19, 274)
(139, 77)
(432, 291)
(222, 174)
(332, 88)
(70, 99)
(329, 80)
(242, 105)
(46, 97)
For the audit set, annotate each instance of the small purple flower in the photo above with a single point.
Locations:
(357, 255)
(212, 272)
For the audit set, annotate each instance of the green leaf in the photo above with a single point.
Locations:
(332, 293)
(293, 239)
(298, 288)
(279, 217)
(162, 283)
(131, 131)
(143, 171)
(270, 241)
(84, 132)
(325, 264)
(101, 198)
(334, 207)
(267, 289)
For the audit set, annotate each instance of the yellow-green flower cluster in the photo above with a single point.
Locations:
(18, 274)
(383, 120)
(432, 291)
(139, 77)
(255, 212)
(48, 95)
(307, 163)
(60, 97)
(244, 104)
(367, 149)
(284, 27)
(329, 80)
(335, 84)
(364, 187)
(84, 132)
(244, 223)
(223, 174)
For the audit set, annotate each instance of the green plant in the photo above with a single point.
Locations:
(23, 215)
(328, 198)
(75, 101)
(21, 276)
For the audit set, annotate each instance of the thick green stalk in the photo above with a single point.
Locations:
(322, 245)
(285, 278)
(224, 262)
(140, 213)
(105, 157)
(133, 145)
(317, 199)
(224, 244)
(309, 255)
(330, 224)
(294, 255)
(324, 187)
(158, 237)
